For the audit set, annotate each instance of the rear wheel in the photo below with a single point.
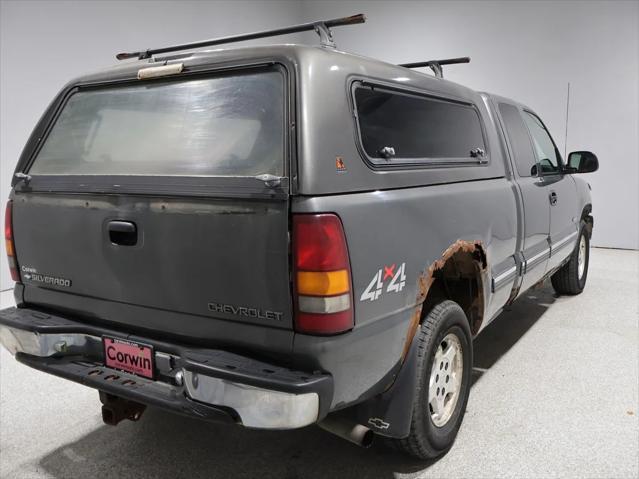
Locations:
(445, 359)
(571, 277)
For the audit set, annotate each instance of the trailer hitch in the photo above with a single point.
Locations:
(115, 409)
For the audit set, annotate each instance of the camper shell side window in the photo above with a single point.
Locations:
(410, 129)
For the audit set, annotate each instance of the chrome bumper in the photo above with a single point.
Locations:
(258, 408)
(45, 345)
(255, 406)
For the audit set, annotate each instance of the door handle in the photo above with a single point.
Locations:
(553, 198)
(124, 233)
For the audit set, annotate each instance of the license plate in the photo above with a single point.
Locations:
(128, 356)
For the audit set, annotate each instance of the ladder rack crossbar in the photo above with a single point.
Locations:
(303, 27)
(436, 65)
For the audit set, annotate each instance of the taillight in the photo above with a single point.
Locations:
(8, 241)
(322, 272)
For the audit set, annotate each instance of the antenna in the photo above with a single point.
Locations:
(322, 28)
(436, 65)
(567, 109)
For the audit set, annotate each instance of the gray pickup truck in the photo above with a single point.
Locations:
(285, 235)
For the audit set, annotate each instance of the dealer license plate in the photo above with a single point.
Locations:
(128, 356)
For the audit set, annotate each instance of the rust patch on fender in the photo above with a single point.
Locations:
(427, 277)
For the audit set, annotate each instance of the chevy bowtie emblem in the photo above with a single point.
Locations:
(378, 423)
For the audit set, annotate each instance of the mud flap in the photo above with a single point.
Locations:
(389, 413)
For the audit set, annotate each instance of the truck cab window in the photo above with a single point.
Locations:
(545, 149)
(524, 156)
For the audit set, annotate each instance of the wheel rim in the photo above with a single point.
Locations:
(445, 380)
(581, 258)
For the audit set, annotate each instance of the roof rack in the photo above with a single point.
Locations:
(436, 65)
(322, 28)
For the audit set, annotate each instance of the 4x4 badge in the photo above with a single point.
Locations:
(376, 286)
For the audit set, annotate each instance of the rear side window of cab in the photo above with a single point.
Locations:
(398, 128)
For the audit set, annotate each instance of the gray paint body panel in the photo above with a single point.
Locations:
(412, 226)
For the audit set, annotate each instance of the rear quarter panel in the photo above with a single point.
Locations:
(411, 226)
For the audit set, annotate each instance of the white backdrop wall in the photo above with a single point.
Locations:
(525, 50)
(43, 44)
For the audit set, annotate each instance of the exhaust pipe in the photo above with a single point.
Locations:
(349, 430)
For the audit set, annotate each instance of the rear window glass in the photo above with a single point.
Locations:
(396, 126)
(225, 126)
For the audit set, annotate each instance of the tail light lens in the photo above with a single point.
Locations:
(322, 272)
(9, 243)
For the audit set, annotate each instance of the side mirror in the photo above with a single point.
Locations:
(582, 162)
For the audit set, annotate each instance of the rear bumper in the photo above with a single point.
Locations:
(208, 384)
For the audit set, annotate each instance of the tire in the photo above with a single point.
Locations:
(427, 439)
(570, 279)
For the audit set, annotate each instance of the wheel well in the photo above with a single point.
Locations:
(459, 279)
(458, 276)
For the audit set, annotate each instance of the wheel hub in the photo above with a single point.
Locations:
(445, 379)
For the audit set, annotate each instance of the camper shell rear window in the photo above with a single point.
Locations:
(398, 127)
(229, 124)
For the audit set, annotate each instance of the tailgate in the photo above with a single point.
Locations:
(163, 205)
(225, 258)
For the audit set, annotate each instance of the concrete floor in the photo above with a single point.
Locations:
(555, 395)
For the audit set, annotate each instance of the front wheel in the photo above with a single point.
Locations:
(571, 277)
(445, 358)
